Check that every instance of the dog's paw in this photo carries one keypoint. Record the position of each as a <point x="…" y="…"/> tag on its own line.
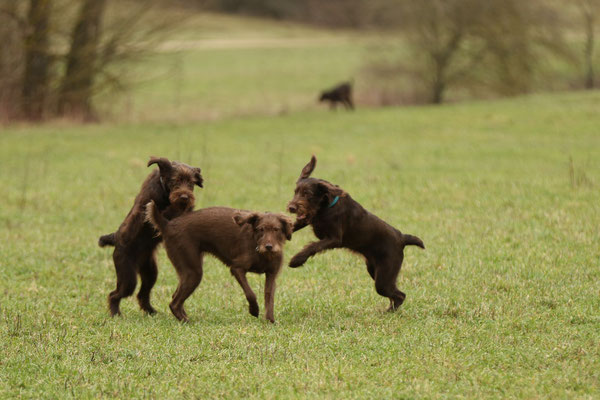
<point x="253" y="309"/>
<point x="150" y="311"/>
<point x="146" y="307"/>
<point x="297" y="261"/>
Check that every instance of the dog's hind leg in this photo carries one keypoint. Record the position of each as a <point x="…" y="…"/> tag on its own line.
<point x="187" y="285"/>
<point x="385" y="283"/>
<point x="371" y="271"/>
<point x="188" y="265"/>
<point x="148" y="274"/>
<point x="126" y="281"/>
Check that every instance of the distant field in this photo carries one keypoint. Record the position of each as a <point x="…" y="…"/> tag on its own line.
<point x="214" y="67"/>
<point x="238" y="80"/>
<point x="503" y="303"/>
<point x="209" y="67"/>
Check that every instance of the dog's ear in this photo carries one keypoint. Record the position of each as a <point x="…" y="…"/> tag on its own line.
<point x="245" y="218"/>
<point x="198" y="177"/>
<point x="287" y="226"/>
<point x="308" y="168"/>
<point x="329" y="191"/>
<point x="164" y="164"/>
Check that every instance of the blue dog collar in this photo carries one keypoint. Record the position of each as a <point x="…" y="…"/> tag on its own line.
<point x="334" y="201"/>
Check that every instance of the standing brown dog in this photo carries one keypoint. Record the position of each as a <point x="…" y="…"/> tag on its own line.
<point x="245" y="241"/>
<point x="171" y="187"/>
<point x="340" y="222"/>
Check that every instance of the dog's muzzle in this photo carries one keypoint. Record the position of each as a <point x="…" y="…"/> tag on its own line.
<point x="268" y="250"/>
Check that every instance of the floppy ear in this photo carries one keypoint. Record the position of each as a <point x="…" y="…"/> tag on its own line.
<point x="308" y="168"/>
<point x="198" y="177"/>
<point x="288" y="226"/>
<point x="246" y="218"/>
<point x="164" y="164"/>
<point x="330" y="191"/>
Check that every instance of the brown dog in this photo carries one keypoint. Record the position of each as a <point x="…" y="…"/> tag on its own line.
<point x="342" y="93"/>
<point x="340" y="222"/>
<point x="245" y="241"/>
<point x="171" y="187"/>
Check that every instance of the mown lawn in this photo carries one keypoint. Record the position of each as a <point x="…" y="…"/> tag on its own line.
<point x="505" y="301"/>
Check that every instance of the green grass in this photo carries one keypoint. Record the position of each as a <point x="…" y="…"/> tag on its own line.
<point x="503" y="303"/>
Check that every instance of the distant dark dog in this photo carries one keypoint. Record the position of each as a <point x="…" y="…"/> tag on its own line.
<point x="340" y="222"/>
<point x="171" y="187"/>
<point x="245" y="241"/>
<point x="339" y="94"/>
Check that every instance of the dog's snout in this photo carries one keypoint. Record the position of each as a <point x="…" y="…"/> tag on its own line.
<point x="292" y="208"/>
<point x="269" y="246"/>
<point x="184" y="197"/>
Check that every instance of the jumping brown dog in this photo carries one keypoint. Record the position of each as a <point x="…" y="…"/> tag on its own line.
<point x="171" y="187"/>
<point x="340" y="222"/>
<point x="245" y="241"/>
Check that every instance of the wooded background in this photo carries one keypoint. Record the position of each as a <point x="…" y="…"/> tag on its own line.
<point x="57" y="54"/>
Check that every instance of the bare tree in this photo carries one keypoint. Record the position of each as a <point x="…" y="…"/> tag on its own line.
<point x="496" y="46"/>
<point x="77" y="85"/>
<point x="39" y="78"/>
<point x="590" y="10"/>
<point x="441" y="35"/>
<point x="523" y="39"/>
<point x="12" y="29"/>
<point x="37" y="60"/>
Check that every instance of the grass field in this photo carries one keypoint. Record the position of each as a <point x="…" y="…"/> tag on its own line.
<point x="503" y="303"/>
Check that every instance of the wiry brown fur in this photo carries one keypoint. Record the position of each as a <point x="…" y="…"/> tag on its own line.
<point x="171" y="187"/>
<point x="343" y="223"/>
<point x="245" y="241"/>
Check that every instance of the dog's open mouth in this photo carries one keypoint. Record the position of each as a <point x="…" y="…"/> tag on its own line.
<point x="300" y="217"/>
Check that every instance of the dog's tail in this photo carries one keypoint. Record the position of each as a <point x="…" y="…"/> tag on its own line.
<point x="412" y="240"/>
<point x="155" y="218"/>
<point x="107" y="240"/>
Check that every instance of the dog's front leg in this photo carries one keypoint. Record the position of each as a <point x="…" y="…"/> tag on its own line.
<point x="270" y="295"/>
<point x="299" y="225"/>
<point x="240" y="276"/>
<point x="172" y="212"/>
<point x="314" y="248"/>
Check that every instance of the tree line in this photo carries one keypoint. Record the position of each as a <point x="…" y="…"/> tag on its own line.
<point x="501" y="47"/>
<point x="56" y="54"/>
<point x="30" y="81"/>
